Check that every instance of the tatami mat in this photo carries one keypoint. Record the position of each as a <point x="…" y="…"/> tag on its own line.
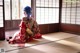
<point x="52" y="42"/>
<point x="47" y="48"/>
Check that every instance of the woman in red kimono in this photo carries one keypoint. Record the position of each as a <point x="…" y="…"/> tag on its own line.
<point x="29" y="29"/>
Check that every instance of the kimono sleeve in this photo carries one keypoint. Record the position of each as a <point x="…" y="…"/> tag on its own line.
<point x="22" y="24"/>
<point x="36" y="26"/>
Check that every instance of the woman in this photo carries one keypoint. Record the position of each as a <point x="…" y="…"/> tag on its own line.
<point x="28" y="29"/>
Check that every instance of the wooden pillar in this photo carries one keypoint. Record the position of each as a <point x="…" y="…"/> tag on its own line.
<point x="33" y="5"/>
<point x="60" y="13"/>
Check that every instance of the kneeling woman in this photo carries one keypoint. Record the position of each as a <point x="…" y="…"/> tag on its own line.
<point x="28" y="29"/>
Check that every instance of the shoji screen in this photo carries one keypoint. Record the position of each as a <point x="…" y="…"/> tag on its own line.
<point x="71" y="12"/>
<point x="1" y="13"/>
<point x="47" y="11"/>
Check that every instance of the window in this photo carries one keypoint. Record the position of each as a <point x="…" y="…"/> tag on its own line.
<point x="1" y="13"/>
<point x="22" y="5"/>
<point x="1" y="2"/>
<point x="78" y="16"/>
<point x="17" y="8"/>
<point x="47" y="11"/>
<point x="14" y="9"/>
<point x="71" y="12"/>
<point x="7" y="10"/>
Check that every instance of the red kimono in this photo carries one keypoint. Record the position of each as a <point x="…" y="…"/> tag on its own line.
<point x="22" y="36"/>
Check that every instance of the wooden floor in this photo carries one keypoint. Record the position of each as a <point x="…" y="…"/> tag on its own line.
<point x="50" y="43"/>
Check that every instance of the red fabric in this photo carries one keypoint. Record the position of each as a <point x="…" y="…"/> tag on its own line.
<point x="22" y="25"/>
<point x="37" y="36"/>
<point x="21" y="37"/>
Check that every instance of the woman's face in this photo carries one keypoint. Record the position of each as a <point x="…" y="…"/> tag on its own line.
<point x="25" y="14"/>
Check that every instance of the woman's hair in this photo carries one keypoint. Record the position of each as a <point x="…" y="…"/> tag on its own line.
<point x="28" y="10"/>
